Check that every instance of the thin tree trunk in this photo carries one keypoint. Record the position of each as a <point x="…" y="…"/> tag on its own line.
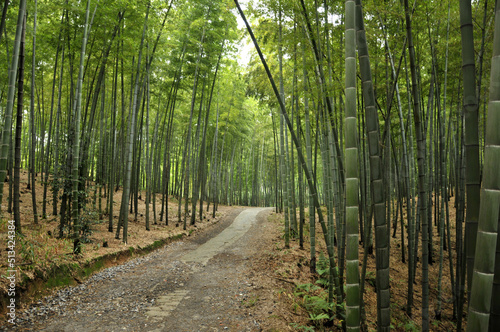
<point x="123" y="219"/>
<point x="312" y="221"/>
<point x="283" y="153"/>
<point x="18" y="133"/>
<point x="4" y="15"/>
<point x="187" y="147"/>
<point x="56" y="181"/>
<point x="76" y="142"/>
<point x="32" y="122"/>
<point x="148" y="157"/>
<point x="422" y="201"/>
<point x="12" y="78"/>
<point x="113" y="147"/>
<point x="47" y="162"/>
<point x="202" y="163"/>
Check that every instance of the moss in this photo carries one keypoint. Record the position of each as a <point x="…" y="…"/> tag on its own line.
<point x="155" y="245"/>
<point x="58" y="281"/>
<point x="178" y="236"/>
<point x="89" y="269"/>
<point x="59" y="276"/>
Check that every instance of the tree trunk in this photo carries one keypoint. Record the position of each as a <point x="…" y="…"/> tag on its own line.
<point x="19" y="128"/>
<point x="352" y="181"/>
<point x="32" y="122"/>
<point x="470" y="109"/>
<point x="123" y="219"/>
<point x="421" y="173"/>
<point x="7" y="127"/>
<point x="484" y="302"/>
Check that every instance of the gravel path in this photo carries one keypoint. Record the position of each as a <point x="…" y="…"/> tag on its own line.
<point x="199" y="284"/>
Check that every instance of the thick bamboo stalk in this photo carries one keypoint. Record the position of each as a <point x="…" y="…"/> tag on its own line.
<point x="376" y="174"/>
<point x="485" y="284"/>
<point x="352" y="181"/>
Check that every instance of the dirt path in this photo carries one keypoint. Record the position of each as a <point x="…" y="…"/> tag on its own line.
<point x="201" y="284"/>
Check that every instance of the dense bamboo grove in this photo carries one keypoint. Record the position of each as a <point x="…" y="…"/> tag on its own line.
<point x="364" y="119"/>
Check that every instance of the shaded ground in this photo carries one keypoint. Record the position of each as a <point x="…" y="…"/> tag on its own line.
<point x="288" y="268"/>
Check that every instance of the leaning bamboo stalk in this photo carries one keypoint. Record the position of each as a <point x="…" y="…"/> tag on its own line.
<point x="302" y="160"/>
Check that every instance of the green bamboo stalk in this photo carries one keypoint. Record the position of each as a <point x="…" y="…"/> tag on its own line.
<point x="76" y="142"/>
<point x="47" y="157"/>
<point x="328" y="193"/>
<point x="422" y="202"/>
<point x="56" y="181"/>
<point x="486" y="263"/>
<point x="12" y="77"/>
<point x="470" y="108"/>
<point x="18" y="133"/>
<point x="123" y="217"/>
<point x="32" y="121"/>
<point x="376" y="174"/>
<point x="283" y="142"/>
<point x="352" y="181"/>
<point x="443" y="186"/>
<point x="312" y="222"/>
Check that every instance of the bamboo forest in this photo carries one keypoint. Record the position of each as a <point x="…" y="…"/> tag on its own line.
<point x="354" y="145"/>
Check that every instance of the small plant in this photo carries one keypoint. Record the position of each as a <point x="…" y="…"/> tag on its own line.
<point x="3" y="225"/>
<point x="301" y="327"/>
<point x="27" y="249"/>
<point x="303" y="289"/>
<point x="317" y="306"/>
<point x="410" y="326"/>
<point x="322" y="268"/>
<point x="250" y="302"/>
<point x="318" y="317"/>
<point x="88" y="218"/>
<point x="314" y="299"/>
<point x="371" y="279"/>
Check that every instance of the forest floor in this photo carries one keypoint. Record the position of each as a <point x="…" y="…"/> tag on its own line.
<point x="40" y="250"/>
<point x="293" y="284"/>
<point x="265" y="287"/>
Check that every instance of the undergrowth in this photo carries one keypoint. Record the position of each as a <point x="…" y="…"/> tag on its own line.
<point x="313" y="297"/>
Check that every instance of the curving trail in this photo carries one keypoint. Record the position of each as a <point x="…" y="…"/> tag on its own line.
<point x="199" y="284"/>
